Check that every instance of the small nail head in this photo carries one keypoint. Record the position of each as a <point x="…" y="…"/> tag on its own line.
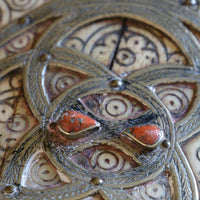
<point x="44" y="57"/>
<point x="189" y="2"/>
<point x="10" y="190"/>
<point x="198" y="154"/>
<point x="24" y="20"/>
<point x="166" y="143"/>
<point x="96" y="181"/>
<point x="52" y="125"/>
<point x="117" y="84"/>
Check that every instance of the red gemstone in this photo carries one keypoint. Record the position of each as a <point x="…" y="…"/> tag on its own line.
<point x="74" y="122"/>
<point x="148" y="135"/>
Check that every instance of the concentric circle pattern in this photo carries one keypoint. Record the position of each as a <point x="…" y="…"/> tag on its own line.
<point x="104" y="159"/>
<point x="40" y="173"/>
<point x="17" y="123"/>
<point x="116" y="107"/>
<point x="21" y="44"/>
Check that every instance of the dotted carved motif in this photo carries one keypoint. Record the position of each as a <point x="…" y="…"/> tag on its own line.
<point x="12" y="9"/>
<point x="16" y="118"/>
<point x="124" y="45"/>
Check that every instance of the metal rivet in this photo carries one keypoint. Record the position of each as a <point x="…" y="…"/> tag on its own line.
<point x="198" y="154"/>
<point x="189" y="2"/>
<point x="9" y="189"/>
<point x="117" y="84"/>
<point x="24" y="20"/>
<point x="52" y="125"/>
<point x="44" y="57"/>
<point x="166" y="143"/>
<point x="96" y="181"/>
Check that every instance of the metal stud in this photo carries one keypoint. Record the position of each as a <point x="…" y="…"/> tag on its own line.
<point x="166" y="143"/>
<point x="44" y="57"/>
<point x="10" y="190"/>
<point x="117" y="84"/>
<point x="52" y="125"/>
<point x="189" y="2"/>
<point x="24" y="20"/>
<point x="96" y="181"/>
